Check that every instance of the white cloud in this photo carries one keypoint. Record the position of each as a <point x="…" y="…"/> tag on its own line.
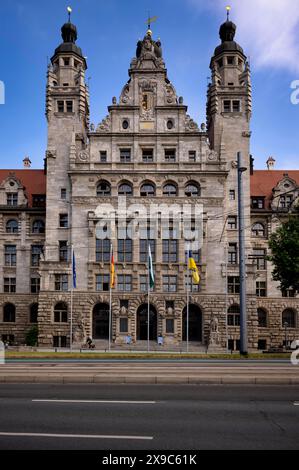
<point x="267" y="29"/>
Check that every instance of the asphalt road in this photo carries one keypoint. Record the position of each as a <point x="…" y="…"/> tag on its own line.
<point x="132" y="417"/>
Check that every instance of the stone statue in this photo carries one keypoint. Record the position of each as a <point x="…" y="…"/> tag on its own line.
<point x="123" y="310"/>
<point x="170" y="311"/>
<point x="214" y="331"/>
<point x="79" y="334"/>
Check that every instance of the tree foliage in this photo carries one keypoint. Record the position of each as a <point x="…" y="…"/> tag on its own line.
<point x="284" y="244"/>
<point x="32" y="336"/>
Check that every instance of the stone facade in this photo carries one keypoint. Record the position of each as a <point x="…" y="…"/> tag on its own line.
<point x="146" y="150"/>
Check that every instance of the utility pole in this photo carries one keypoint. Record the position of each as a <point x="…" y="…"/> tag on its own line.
<point x="242" y="261"/>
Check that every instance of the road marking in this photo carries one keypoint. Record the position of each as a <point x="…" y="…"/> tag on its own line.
<point x="296" y="403"/>
<point x="76" y="436"/>
<point x="123" y="402"/>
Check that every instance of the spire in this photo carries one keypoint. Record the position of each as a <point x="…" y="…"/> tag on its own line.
<point x="69" y="30"/>
<point x="228" y="9"/>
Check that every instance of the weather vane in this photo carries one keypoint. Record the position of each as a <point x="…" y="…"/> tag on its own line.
<point x="151" y="20"/>
<point x="228" y="9"/>
<point x="69" y="9"/>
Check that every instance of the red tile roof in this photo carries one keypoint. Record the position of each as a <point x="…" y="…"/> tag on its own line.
<point x="263" y="181"/>
<point x="34" y="181"/>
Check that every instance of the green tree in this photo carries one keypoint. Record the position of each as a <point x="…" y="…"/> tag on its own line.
<point x="32" y="336"/>
<point x="284" y="244"/>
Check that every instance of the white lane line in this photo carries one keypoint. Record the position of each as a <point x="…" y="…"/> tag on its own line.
<point x="98" y="401"/>
<point x="76" y="436"/>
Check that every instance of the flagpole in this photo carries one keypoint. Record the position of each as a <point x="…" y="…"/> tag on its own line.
<point x="110" y="301"/>
<point x="72" y="289"/>
<point x="188" y="285"/>
<point x="148" y="297"/>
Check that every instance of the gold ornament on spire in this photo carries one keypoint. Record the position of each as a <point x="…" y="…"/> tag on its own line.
<point x="69" y="10"/>
<point x="228" y="9"/>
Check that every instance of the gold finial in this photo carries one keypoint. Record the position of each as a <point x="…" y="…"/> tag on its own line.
<point x="69" y="10"/>
<point x="228" y="9"/>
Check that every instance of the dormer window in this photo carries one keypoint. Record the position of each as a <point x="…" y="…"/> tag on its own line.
<point x="285" y="201"/>
<point x="258" y="203"/>
<point x="12" y="199"/>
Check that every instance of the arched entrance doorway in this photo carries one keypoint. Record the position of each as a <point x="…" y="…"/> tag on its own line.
<point x="100" y="321"/>
<point x="195" y="324"/>
<point x="142" y="319"/>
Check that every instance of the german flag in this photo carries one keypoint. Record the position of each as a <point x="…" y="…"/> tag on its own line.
<point x="112" y="270"/>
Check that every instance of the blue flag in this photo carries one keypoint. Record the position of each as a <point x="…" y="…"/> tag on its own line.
<point x="74" y="272"/>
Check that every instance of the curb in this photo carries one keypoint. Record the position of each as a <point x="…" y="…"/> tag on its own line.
<point x="147" y="380"/>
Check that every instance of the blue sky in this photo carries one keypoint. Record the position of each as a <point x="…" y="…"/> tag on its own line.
<point x="108" y="32"/>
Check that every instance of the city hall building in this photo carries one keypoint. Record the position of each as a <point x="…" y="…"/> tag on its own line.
<point x="146" y="150"/>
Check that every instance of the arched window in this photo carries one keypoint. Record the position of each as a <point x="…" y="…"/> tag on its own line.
<point x="9" y="313"/>
<point x="12" y="226"/>
<point x="125" y="189"/>
<point x="233" y="315"/>
<point x="147" y="190"/>
<point x="38" y="226"/>
<point x="170" y="190"/>
<point x="289" y="318"/>
<point x="258" y="230"/>
<point x="262" y="318"/>
<point x="33" y="313"/>
<point x="103" y="189"/>
<point x="192" y="190"/>
<point x="60" y="313"/>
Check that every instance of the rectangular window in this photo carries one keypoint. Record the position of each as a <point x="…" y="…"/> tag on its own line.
<point x="63" y="251"/>
<point x="288" y="293"/>
<point x="259" y="258"/>
<point x="38" y="200"/>
<point x="103" y="156"/>
<point x="257" y="203"/>
<point x="233" y="285"/>
<point x="236" y="106"/>
<point x="232" y="195"/>
<point x="125" y="155"/>
<point x="35" y="285"/>
<point x="226" y="106"/>
<point x="285" y="202"/>
<point x="143" y="250"/>
<point x="123" y="325"/>
<point x="233" y="319"/>
<point x="63" y="194"/>
<point x="190" y="285"/>
<point x="170" y="251"/>
<point x="230" y="60"/>
<point x="124" y="282"/>
<point x="10" y="285"/>
<point x="169" y="325"/>
<point x="143" y="283"/>
<point x="125" y="250"/>
<point x="102" y="282"/>
<point x="61" y="282"/>
<point x="36" y="251"/>
<point x="103" y="248"/>
<point x="12" y="199"/>
<point x="63" y="220"/>
<point x="261" y="289"/>
<point x="69" y="106"/>
<point x="60" y="106"/>
<point x="10" y="255"/>
<point x="66" y="62"/>
<point x="59" y="342"/>
<point x="192" y="156"/>
<point x="169" y="283"/>
<point x="232" y="223"/>
<point x="147" y="155"/>
<point x="232" y="253"/>
<point x="170" y="155"/>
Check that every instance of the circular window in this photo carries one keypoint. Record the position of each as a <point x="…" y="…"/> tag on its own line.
<point x="125" y="124"/>
<point x="170" y="124"/>
<point x="11" y="184"/>
<point x="287" y="185"/>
